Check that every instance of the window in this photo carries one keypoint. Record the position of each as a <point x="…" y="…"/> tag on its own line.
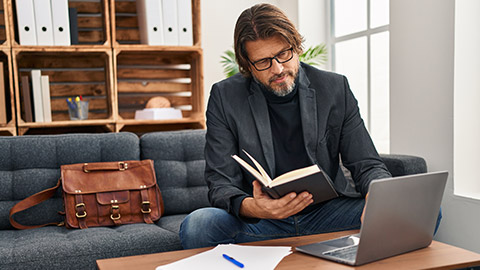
<point x="359" y="45"/>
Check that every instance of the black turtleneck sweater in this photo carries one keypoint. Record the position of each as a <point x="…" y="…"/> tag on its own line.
<point x="287" y="133"/>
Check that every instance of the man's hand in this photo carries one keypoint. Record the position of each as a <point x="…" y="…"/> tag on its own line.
<point x="262" y="206"/>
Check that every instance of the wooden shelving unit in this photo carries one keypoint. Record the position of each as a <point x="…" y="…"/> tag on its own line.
<point x="109" y="68"/>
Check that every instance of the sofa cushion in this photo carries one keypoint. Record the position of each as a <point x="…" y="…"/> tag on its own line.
<point x="171" y="222"/>
<point x="79" y="249"/>
<point x="179" y="166"/>
<point x="399" y="165"/>
<point x="29" y="164"/>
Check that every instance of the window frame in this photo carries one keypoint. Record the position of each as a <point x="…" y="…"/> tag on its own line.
<point x="332" y="40"/>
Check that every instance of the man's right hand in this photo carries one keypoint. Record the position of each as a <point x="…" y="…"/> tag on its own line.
<point x="264" y="207"/>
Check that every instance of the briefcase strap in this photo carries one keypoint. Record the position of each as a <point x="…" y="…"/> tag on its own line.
<point x="30" y="202"/>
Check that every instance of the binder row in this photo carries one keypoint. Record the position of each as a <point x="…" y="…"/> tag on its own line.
<point x="51" y="22"/>
<point x="43" y="22"/>
<point x="165" y="22"/>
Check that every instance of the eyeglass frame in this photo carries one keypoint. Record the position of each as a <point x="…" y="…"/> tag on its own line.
<point x="271" y="59"/>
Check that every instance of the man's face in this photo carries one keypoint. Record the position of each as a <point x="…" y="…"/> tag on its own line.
<point x="280" y="77"/>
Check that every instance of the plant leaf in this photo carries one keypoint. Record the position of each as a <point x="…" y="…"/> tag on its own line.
<point x="315" y="56"/>
<point x="229" y="63"/>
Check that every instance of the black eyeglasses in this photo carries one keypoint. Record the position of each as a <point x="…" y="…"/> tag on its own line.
<point x="266" y="63"/>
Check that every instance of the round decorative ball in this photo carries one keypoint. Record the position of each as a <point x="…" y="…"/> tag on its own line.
<point x="158" y="102"/>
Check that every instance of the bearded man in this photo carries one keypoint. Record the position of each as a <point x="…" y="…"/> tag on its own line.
<point x="287" y="115"/>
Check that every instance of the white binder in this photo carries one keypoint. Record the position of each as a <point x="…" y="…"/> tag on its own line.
<point x="60" y="22"/>
<point x="43" y="22"/>
<point x="185" y="33"/>
<point x="47" y="108"/>
<point x="170" y="22"/>
<point x="37" y="95"/>
<point x="150" y="21"/>
<point x="26" y="22"/>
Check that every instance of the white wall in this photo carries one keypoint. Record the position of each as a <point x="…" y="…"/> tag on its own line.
<point x="466" y="98"/>
<point x="312" y="21"/>
<point x="421" y="109"/>
<point x="218" y="22"/>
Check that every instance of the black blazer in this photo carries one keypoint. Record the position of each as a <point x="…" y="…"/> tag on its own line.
<point x="237" y="118"/>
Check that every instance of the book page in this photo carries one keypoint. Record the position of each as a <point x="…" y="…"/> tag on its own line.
<point x="252" y="257"/>
<point x="293" y="175"/>
<point x="259" y="167"/>
<point x="251" y="170"/>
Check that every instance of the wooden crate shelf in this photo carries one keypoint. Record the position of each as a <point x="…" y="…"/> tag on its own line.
<point x="174" y="74"/>
<point x="72" y="72"/>
<point x="93" y="22"/>
<point x="124" y="23"/>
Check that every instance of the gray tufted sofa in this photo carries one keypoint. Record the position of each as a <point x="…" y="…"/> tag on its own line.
<point x="29" y="164"/>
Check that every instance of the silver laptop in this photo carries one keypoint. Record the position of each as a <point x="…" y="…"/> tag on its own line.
<point x="400" y="216"/>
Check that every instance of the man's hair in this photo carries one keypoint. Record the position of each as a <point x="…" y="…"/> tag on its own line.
<point x="263" y="21"/>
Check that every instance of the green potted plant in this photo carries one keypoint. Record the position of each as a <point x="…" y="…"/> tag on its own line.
<point x="315" y="56"/>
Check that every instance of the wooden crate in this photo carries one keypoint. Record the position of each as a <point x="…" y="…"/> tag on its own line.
<point x="4" y="24"/>
<point x="141" y="75"/>
<point x="93" y="21"/>
<point x="71" y="73"/>
<point x="125" y="22"/>
<point x="8" y="128"/>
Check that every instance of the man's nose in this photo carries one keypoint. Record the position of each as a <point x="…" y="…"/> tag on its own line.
<point x="276" y="66"/>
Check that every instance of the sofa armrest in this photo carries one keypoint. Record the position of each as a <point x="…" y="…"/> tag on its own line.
<point x="399" y="165"/>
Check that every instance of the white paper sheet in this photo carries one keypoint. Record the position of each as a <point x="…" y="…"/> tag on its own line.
<point x="253" y="257"/>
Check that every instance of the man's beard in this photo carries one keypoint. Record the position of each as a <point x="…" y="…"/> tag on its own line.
<point x="283" y="89"/>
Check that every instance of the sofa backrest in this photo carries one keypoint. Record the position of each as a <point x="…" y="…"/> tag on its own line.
<point x="29" y="164"/>
<point x="179" y="166"/>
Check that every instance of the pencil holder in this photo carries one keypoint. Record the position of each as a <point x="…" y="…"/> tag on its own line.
<point x="78" y="110"/>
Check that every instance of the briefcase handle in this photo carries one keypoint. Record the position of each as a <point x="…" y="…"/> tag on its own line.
<point x="105" y="166"/>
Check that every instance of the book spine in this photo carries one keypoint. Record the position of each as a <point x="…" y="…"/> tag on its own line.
<point x="26" y="98"/>
<point x="271" y="192"/>
<point x="73" y="20"/>
<point x="3" y="99"/>
<point x="37" y="95"/>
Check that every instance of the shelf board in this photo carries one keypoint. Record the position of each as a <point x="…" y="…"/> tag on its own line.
<point x="133" y="122"/>
<point x="144" y="47"/>
<point x="77" y="123"/>
<point x="74" y="48"/>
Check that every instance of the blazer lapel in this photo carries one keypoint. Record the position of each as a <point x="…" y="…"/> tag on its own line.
<point x="308" y="114"/>
<point x="259" y="108"/>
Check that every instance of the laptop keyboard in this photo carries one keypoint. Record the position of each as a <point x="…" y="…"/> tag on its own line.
<point x="345" y="253"/>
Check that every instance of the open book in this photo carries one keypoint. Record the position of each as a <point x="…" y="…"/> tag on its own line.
<point x="310" y="179"/>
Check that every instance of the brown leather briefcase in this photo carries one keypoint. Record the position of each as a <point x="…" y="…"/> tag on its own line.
<point x="103" y="194"/>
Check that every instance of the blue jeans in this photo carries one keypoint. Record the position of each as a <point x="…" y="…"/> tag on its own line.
<point x="212" y="226"/>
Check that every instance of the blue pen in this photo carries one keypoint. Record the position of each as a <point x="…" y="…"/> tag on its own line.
<point x="69" y="103"/>
<point x="232" y="260"/>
